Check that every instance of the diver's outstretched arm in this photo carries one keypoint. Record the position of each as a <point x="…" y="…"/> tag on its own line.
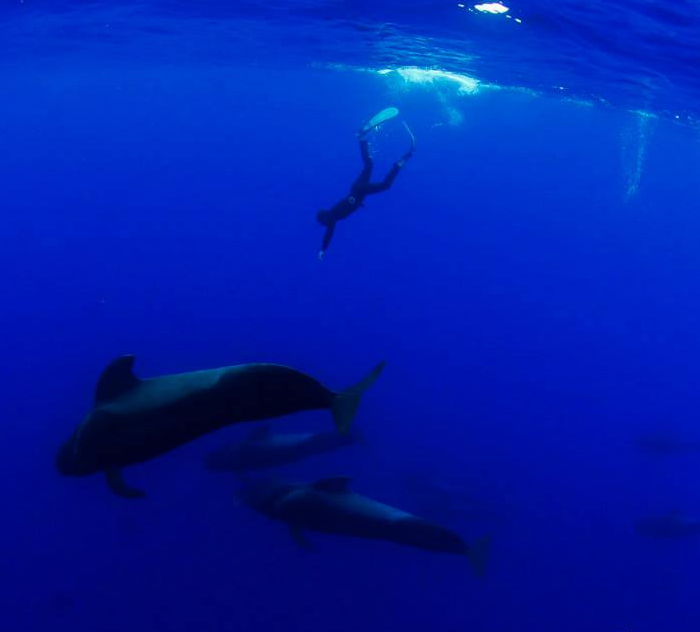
<point x="327" y="236"/>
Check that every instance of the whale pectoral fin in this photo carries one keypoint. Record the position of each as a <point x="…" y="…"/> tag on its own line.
<point x="298" y="536"/>
<point x="116" y="484"/>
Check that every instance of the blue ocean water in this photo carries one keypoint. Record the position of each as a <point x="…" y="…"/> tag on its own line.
<point x="531" y="279"/>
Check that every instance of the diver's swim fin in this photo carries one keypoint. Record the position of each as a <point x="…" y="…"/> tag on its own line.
<point x="116" y="484"/>
<point x="412" y="137"/>
<point x="345" y="404"/>
<point x="380" y="117"/>
<point x="402" y="161"/>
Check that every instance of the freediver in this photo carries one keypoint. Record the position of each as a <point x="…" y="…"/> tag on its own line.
<point x="362" y="187"/>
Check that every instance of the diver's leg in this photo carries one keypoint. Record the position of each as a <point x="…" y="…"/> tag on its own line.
<point x="364" y="177"/>
<point x="378" y="187"/>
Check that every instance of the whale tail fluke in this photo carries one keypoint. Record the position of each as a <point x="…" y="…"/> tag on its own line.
<point x="478" y="555"/>
<point x="345" y="404"/>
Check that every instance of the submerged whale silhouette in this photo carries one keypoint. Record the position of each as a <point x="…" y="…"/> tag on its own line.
<point x="329" y="506"/>
<point x="261" y="449"/>
<point x="135" y="420"/>
<point x="674" y="524"/>
<point x="665" y="444"/>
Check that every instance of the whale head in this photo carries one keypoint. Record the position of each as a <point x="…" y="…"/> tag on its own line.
<point x="67" y="461"/>
<point x="72" y="459"/>
<point x="262" y="494"/>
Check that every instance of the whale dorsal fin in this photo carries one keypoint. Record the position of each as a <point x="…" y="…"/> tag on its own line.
<point x="259" y="433"/>
<point x="116" y="379"/>
<point x="335" y="484"/>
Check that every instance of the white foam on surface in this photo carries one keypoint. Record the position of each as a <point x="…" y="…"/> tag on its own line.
<point x="491" y="7"/>
<point x="412" y="74"/>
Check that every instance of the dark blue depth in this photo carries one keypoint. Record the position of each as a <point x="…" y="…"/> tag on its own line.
<point x="531" y="278"/>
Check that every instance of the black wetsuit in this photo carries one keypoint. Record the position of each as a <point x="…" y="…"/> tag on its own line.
<point x="360" y="189"/>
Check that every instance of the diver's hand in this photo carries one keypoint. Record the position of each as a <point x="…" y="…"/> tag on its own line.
<point x="320" y="255"/>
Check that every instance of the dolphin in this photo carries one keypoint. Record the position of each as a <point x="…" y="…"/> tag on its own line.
<point x="135" y="419"/>
<point x="261" y="449"/>
<point x="674" y="524"/>
<point x="663" y="444"/>
<point x="330" y="507"/>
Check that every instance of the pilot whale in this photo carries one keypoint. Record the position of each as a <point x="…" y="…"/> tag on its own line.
<point x="134" y="420"/>
<point x="262" y="449"/>
<point x="674" y="524"/>
<point x="329" y="506"/>
<point x="665" y="444"/>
